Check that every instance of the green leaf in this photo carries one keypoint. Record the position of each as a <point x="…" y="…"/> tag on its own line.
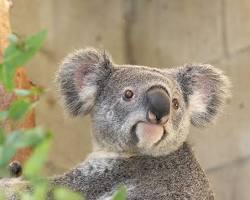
<point x="3" y="171"/>
<point x="2" y="136"/>
<point x="18" y="109"/>
<point x="40" y="191"/>
<point x="120" y="194"/>
<point x="6" y="154"/>
<point x="3" y="115"/>
<point x="22" y="92"/>
<point x="2" y="197"/>
<point x="26" y="196"/>
<point x="1" y="73"/>
<point x="18" y="53"/>
<point x="7" y="77"/>
<point x="37" y="90"/>
<point x="34" y="136"/>
<point x="29" y="138"/>
<point x="9" y="147"/>
<point x="66" y="194"/>
<point x="34" y="164"/>
<point x="12" y="38"/>
<point x="20" y="139"/>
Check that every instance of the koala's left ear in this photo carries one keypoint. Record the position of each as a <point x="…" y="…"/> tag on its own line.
<point x="80" y="79"/>
<point x="205" y="89"/>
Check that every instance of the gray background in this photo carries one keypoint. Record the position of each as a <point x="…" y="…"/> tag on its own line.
<point x="156" y="33"/>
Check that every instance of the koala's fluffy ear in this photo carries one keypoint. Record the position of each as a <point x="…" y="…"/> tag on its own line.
<point x="80" y="79"/>
<point x="204" y="89"/>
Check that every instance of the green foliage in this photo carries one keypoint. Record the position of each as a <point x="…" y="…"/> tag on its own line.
<point x="20" y="139"/>
<point x="22" y="92"/>
<point x="120" y="194"/>
<point x="34" y="165"/>
<point x="1" y="195"/>
<point x="2" y="136"/>
<point x="3" y="115"/>
<point x="16" y="54"/>
<point x="18" y="109"/>
<point x="65" y="194"/>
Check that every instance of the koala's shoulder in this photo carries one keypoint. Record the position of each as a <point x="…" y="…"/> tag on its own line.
<point x="174" y="175"/>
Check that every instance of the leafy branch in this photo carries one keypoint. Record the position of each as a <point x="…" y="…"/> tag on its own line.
<point x="18" y="52"/>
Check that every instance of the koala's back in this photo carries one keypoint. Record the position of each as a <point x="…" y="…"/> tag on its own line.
<point x="175" y="176"/>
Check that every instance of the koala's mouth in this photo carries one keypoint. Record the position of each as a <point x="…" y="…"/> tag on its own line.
<point x="149" y="134"/>
<point x="162" y="137"/>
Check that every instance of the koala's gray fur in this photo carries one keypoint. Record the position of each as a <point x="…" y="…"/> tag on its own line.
<point x="151" y="159"/>
<point x="174" y="176"/>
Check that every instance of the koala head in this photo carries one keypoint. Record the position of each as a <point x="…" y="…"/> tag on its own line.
<point x="138" y="109"/>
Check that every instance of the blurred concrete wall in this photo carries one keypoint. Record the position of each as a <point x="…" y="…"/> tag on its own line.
<point x="156" y="33"/>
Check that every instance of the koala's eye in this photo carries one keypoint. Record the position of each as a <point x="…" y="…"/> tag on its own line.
<point x="175" y="103"/>
<point x="128" y="94"/>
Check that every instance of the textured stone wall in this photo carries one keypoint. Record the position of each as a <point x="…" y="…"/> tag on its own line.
<point x="156" y="33"/>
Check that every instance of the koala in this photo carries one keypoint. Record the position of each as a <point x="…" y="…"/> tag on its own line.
<point x="140" y="122"/>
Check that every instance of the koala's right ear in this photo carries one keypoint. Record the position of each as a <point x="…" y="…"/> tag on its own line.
<point x="80" y="79"/>
<point x="205" y="90"/>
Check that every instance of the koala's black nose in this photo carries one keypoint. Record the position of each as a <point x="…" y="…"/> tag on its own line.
<point x="158" y="105"/>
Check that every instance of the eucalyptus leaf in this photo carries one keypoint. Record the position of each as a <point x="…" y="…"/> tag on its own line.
<point x="9" y="148"/>
<point x="14" y="138"/>
<point x="34" y="164"/>
<point x="22" y="92"/>
<point x="12" y="38"/>
<point x="7" y="77"/>
<point x="17" y="54"/>
<point x="2" y="197"/>
<point x="39" y="134"/>
<point x="40" y="191"/>
<point x="18" y="109"/>
<point x="20" y="139"/>
<point x="1" y="72"/>
<point x="37" y="90"/>
<point x="26" y="196"/>
<point x="2" y="136"/>
<point x="3" y="115"/>
<point x="7" y="152"/>
<point x="66" y="194"/>
<point x="28" y="138"/>
<point x="120" y="194"/>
